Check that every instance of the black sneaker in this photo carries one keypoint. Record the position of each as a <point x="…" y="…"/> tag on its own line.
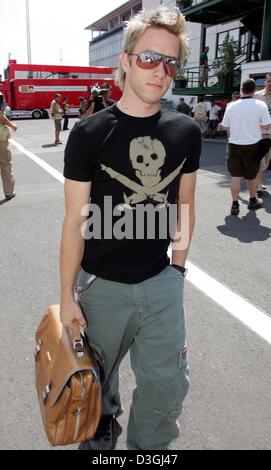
<point x="106" y="435"/>
<point x="255" y="203"/>
<point x="235" y="208"/>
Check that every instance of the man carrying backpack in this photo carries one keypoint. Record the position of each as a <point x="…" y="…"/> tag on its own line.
<point x="200" y="116"/>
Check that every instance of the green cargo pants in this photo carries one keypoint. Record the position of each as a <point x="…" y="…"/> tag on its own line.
<point x="146" y="318"/>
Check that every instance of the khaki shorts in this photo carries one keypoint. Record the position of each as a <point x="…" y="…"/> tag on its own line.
<point x="58" y="125"/>
<point x="241" y="161"/>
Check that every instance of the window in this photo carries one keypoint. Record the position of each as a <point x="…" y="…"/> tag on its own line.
<point x="126" y="16"/>
<point x="137" y="8"/>
<point x="114" y="22"/>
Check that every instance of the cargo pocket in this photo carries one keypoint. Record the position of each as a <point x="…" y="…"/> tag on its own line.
<point x="184" y="371"/>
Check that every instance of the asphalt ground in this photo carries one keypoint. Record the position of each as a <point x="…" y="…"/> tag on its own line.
<point x="228" y="406"/>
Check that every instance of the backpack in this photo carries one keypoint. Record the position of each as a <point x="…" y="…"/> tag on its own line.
<point x="200" y="113"/>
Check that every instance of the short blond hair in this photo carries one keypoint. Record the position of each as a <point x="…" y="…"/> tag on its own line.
<point x="171" y="20"/>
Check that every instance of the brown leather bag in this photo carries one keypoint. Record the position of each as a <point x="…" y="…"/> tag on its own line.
<point x="67" y="381"/>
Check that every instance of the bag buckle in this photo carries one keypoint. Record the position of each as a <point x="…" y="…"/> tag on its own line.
<point x="78" y="346"/>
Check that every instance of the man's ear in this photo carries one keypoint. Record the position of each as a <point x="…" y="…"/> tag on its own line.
<point x="124" y="60"/>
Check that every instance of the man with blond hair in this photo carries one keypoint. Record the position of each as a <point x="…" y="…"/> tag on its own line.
<point x="130" y="158"/>
<point x="265" y="96"/>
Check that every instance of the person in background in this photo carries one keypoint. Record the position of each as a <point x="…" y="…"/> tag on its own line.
<point x="56" y="113"/>
<point x="107" y="94"/>
<point x="236" y="95"/>
<point x="213" y="119"/>
<point x="6" y="168"/>
<point x="4" y="106"/>
<point x="103" y="94"/>
<point x="265" y="96"/>
<point x="95" y="103"/>
<point x="256" y="49"/>
<point x="182" y="107"/>
<point x="82" y="106"/>
<point x="244" y="119"/>
<point x="7" y="112"/>
<point x="200" y="116"/>
<point x="98" y="100"/>
<point x="65" y="109"/>
<point x="203" y="68"/>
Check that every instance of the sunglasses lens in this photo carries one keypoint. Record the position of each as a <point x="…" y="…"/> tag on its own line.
<point x="147" y="61"/>
<point x="150" y="60"/>
<point x="172" y="69"/>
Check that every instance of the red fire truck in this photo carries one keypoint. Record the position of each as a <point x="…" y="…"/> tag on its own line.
<point x="29" y="89"/>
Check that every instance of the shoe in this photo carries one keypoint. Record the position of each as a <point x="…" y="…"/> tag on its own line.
<point x="235" y="209"/>
<point x="106" y="435"/>
<point x="10" y="197"/>
<point x="57" y="142"/>
<point x="255" y="203"/>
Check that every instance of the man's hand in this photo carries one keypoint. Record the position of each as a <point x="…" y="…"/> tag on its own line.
<point x="14" y="127"/>
<point x="70" y="312"/>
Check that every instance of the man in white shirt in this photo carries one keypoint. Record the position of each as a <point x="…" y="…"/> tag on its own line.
<point x="265" y="96"/>
<point x="244" y="119"/>
<point x="213" y="119"/>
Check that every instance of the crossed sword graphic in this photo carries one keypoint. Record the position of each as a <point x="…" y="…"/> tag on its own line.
<point x="142" y="192"/>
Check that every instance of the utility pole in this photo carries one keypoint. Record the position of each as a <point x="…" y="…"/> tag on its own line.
<point x="28" y="32"/>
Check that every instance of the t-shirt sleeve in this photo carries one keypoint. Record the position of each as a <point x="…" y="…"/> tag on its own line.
<point x="192" y="161"/>
<point x="78" y="162"/>
<point x="226" y="119"/>
<point x="265" y="117"/>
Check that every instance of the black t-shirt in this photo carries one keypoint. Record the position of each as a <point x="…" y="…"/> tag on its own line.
<point x="133" y="163"/>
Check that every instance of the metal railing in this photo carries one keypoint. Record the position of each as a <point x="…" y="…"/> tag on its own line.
<point x="193" y="74"/>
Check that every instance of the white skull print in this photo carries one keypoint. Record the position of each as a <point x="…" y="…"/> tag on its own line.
<point x="147" y="157"/>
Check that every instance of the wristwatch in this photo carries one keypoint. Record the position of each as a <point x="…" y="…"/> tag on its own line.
<point x="182" y="270"/>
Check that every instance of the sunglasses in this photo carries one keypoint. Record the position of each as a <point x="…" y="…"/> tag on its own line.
<point x="148" y="60"/>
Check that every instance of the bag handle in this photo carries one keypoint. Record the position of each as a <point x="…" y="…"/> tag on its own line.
<point x="78" y="344"/>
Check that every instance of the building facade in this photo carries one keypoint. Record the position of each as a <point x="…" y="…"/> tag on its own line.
<point x="107" y="34"/>
<point x="107" y="38"/>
